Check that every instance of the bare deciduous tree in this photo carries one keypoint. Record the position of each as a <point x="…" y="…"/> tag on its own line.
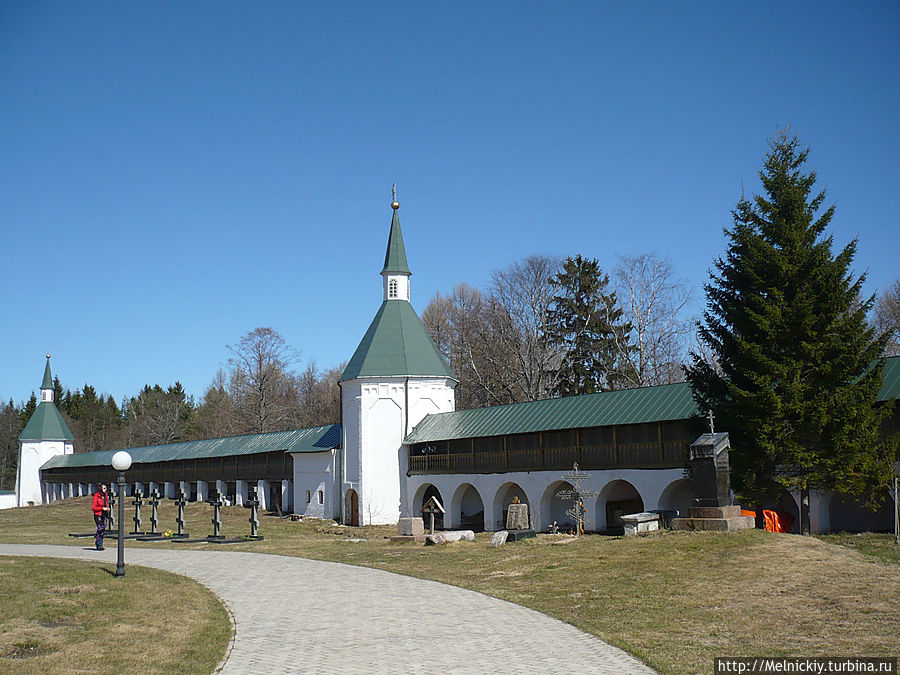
<point x="654" y="301"/>
<point x="887" y="317"/>
<point x="261" y="383"/>
<point x="522" y="293"/>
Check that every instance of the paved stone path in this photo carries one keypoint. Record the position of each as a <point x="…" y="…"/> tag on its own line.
<point x="294" y="615"/>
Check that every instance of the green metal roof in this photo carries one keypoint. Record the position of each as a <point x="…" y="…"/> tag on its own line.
<point x="395" y="256"/>
<point x="47" y="382"/>
<point x="628" y="406"/>
<point x="315" y="439"/>
<point x="46" y="424"/>
<point x="396" y="344"/>
<point x="890" y="387"/>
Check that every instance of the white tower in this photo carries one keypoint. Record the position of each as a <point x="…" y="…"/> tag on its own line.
<point x="46" y="435"/>
<point x="395" y="377"/>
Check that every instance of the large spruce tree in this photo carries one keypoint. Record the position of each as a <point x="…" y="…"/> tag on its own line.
<point x="585" y="324"/>
<point x="796" y="372"/>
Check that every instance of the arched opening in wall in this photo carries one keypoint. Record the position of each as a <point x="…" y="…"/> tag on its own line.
<point x="275" y="494"/>
<point x="678" y="496"/>
<point x="467" y="508"/>
<point x="848" y="515"/>
<point x="617" y="498"/>
<point x="505" y="496"/>
<point x="423" y="494"/>
<point x="351" y="508"/>
<point x="554" y="508"/>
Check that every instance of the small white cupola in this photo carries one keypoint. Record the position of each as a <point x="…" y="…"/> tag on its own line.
<point x="395" y="273"/>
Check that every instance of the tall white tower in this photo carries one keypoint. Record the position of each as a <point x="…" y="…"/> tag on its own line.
<point x="46" y="435"/>
<point x="395" y="377"/>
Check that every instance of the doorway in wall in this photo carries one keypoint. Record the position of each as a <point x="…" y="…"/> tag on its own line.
<point x="351" y="508"/>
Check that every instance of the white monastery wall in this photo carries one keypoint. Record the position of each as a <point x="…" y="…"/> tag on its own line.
<point x="314" y="484"/>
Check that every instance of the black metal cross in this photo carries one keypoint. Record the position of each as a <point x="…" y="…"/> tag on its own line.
<point x="215" y="499"/>
<point x="179" y="519"/>
<point x="252" y="503"/>
<point x="110" y="518"/>
<point x="154" y="510"/>
<point x="138" y="502"/>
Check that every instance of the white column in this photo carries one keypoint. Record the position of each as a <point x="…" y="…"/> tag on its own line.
<point x="241" y="490"/>
<point x="169" y="490"/>
<point x="222" y="487"/>
<point x="262" y="491"/>
<point x="202" y="491"/>
<point x="186" y="486"/>
<point x="287" y="494"/>
<point x="820" y="511"/>
<point x="138" y="485"/>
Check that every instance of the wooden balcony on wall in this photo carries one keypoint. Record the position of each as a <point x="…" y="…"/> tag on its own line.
<point x="657" y="455"/>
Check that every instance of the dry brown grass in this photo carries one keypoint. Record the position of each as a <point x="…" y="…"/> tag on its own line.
<point x="75" y="617"/>
<point x="675" y="600"/>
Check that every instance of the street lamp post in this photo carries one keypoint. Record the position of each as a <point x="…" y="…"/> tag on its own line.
<point x="121" y="462"/>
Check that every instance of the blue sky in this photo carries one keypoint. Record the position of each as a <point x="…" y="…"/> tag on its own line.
<point x="173" y="175"/>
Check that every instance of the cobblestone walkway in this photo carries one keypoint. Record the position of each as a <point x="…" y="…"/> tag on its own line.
<point x="294" y="615"/>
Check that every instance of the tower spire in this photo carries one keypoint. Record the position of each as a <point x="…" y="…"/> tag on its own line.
<point x="47" y="383"/>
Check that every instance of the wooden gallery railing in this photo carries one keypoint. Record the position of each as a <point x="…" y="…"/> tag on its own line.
<point x="664" y="455"/>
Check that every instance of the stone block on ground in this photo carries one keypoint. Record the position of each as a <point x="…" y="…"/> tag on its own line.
<point x="518" y="535"/>
<point x="450" y="537"/>
<point x="411" y="527"/>
<point x="636" y="523"/>
<point x="499" y="538"/>
<point x="517" y="517"/>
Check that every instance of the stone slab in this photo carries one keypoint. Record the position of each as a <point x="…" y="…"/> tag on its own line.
<point x="411" y="527"/>
<point x="714" y="524"/>
<point x="632" y="529"/>
<point x="499" y="538"/>
<point x="450" y="537"/>
<point x="517" y="517"/>
<point x="644" y="517"/>
<point x="713" y="511"/>
<point x="518" y="535"/>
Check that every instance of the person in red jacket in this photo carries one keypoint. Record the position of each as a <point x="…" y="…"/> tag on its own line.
<point x="100" y="507"/>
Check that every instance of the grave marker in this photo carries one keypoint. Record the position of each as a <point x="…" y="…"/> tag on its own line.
<point x="154" y="511"/>
<point x="432" y="507"/>
<point x="577" y="496"/>
<point x="138" y="502"/>
<point x="215" y="499"/>
<point x="252" y="503"/>
<point x="179" y="518"/>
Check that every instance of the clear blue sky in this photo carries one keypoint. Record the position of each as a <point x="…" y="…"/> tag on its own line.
<point x="175" y="174"/>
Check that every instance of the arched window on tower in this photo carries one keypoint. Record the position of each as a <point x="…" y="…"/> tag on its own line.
<point x="392" y="288"/>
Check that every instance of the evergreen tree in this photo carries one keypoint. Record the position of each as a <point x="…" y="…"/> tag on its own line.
<point x="28" y="409"/>
<point x="787" y="326"/>
<point x="584" y="322"/>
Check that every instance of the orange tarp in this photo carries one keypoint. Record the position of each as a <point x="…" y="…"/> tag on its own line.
<point x="778" y="521"/>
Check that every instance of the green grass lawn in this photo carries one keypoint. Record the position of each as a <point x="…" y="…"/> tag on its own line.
<point x="674" y="600"/>
<point x="69" y="616"/>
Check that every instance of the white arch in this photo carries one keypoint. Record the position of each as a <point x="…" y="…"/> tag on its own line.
<point x="617" y="494"/>
<point x="463" y="503"/>
<point x="677" y="495"/>
<point x="503" y="497"/>
<point x="553" y="508"/>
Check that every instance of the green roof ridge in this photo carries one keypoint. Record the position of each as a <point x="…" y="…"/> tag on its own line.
<point x="46" y="424"/>
<point x="47" y="382"/>
<point x="395" y="256"/>
<point x="396" y="344"/>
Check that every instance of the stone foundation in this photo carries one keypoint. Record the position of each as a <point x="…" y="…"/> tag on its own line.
<point x="714" y="519"/>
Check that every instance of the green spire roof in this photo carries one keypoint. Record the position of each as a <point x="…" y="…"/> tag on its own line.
<point x="47" y="383"/>
<point x="396" y="344"/>
<point x="46" y="424"/>
<point x="395" y="256"/>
